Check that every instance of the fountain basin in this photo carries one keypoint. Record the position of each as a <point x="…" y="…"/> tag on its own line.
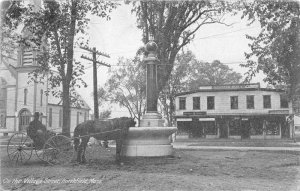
<point x="148" y="142"/>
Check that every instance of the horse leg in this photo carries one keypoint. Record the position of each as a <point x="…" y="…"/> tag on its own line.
<point x="79" y="149"/>
<point x="84" y="144"/>
<point x="119" y="144"/>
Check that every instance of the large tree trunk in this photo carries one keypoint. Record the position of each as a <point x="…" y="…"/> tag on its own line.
<point x="69" y="73"/>
<point x="66" y="110"/>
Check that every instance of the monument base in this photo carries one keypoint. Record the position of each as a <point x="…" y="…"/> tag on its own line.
<point x="149" y="140"/>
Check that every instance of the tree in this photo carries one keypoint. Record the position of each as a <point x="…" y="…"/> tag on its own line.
<point x="55" y="30"/>
<point x="127" y="87"/>
<point x="173" y="25"/>
<point x="105" y="114"/>
<point x="178" y="82"/>
<point x="188" y="75"/>
<point x="277" y="47"/>
<point x="8" y="39"/>
<point x="214" y="73"/>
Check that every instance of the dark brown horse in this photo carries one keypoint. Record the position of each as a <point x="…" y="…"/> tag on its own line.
<point x="112" y="129"/>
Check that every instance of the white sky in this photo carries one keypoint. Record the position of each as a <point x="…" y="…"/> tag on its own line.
<point x="120" y="37"/>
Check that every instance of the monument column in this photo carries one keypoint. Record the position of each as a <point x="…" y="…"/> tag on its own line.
<point x="152" y="137"/>
<point x="151" y="75"/>
<point x="152" y="117"/>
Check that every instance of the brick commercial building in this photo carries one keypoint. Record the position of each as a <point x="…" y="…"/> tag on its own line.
<point x="237" y="111"/>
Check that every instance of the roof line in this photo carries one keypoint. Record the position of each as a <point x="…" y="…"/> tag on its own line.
<point x="221" y="90"/>
<point x="10" y="68"/>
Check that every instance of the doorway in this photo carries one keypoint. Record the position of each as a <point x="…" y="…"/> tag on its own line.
<point x="245" y="128"/>
<point x="24" y="119"/>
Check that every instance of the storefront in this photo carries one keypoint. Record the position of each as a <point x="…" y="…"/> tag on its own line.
<point x="234" y="127"/>
<point x="235" y="111"/>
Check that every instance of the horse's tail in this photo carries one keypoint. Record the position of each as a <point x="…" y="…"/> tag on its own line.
<point x="76" y="138"/>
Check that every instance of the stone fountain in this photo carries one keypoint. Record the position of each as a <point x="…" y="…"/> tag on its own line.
<point x="151" y="139"/>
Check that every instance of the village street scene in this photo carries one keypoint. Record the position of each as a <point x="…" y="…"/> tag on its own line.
<point x="150" y="95"/>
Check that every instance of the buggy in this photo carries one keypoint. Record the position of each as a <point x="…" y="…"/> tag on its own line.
<point x="56" y="149"/>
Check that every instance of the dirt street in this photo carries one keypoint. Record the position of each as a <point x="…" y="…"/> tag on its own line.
<point x="188" y="170"/>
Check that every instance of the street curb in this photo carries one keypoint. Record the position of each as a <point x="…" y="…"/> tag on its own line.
<point x="293" y="149"/>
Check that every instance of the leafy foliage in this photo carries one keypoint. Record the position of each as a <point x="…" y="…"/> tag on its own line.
<point x="105" y="114"/>
<point x="173" y="25"/>
<point x="277" y="47"/>
<point x="54" y="30"/>
<point x="214" y="73"/>
<point x="127" y="87"/>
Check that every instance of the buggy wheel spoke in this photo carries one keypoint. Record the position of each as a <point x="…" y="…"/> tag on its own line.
<point x="54" y="144"/>
<point x="14" y="156"/>
<point x="20" y="143"/>
<point x="17" y="149"/>
<point x="58" y="149"/>
<point x="26" y="153"/>
<point x="21" y="158"/>
<point x="17" y="157"/>
<point x="13" y="152"/>
<point x="25" y="140"/>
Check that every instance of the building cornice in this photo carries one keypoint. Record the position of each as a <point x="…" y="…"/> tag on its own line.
<point x="227" y="90"/>
<point x="26" y="68"/>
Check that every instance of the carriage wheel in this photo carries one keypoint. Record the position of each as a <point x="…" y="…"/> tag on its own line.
<point x="58" y="150"/>
<point x="40" y="154"/>
<point x="19" y="148"/>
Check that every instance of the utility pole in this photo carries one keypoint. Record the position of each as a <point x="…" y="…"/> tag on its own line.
<point x="95" y="62"/>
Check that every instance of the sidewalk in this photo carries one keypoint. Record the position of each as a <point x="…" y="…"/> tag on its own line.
<point x="195" y="146"/>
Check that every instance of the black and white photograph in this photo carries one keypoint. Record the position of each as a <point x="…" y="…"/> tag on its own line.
<point x="150" y="95"/>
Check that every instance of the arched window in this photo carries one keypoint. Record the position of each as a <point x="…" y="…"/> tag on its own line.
<point x="24" y="119"/>
<point x="25" y="96"/>
<point x="41" y="101"/>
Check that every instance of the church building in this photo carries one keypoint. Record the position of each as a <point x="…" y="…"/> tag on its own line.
<point x="20" y="98"/>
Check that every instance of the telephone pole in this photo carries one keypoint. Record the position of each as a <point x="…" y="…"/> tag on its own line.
<point x="95" y="62"/>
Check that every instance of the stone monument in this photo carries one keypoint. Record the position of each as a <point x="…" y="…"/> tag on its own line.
<point x="151" y="139"/>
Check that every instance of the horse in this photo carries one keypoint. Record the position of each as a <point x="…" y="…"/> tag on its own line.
<point x="112" y="129"/>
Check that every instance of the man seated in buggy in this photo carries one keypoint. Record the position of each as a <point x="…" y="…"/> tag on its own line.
<point x="38" y="132"/>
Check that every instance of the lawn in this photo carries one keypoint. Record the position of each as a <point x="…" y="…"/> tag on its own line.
<point x="187" y="170"/>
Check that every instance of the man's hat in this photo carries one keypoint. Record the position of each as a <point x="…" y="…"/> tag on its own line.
<point x="36" y="114"/>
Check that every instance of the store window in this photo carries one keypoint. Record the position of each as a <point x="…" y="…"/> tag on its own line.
<point x="267" y="101"/>
<point x="284" y="101"/>
<point x="234" y="102"/>
<point x="272" y="128"/>
<point x="256" y="126"/>
<point x="196" y="103"/>
<point x="209" y="127"/>
<point x="250" y="101"/>
<point x="210" y="102"/>
<point x="182" y="103"/>
<point x="234" y="127"/>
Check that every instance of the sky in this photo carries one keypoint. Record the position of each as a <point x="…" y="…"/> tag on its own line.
<point x="119" y="37"/>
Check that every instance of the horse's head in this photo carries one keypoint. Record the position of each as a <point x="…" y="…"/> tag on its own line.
<point x="130" y="122"/>
<point x="126" y="122"/>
